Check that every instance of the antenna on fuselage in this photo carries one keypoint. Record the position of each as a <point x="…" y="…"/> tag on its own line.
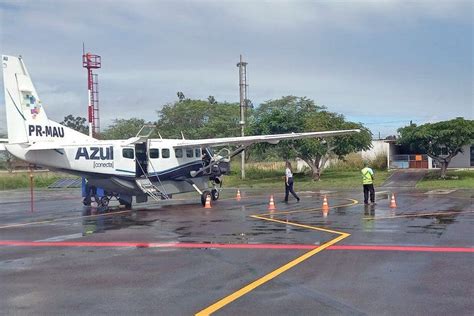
<point x="182" y="135"/>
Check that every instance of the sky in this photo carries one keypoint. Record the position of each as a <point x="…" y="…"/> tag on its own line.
<point x="383" y="63"/>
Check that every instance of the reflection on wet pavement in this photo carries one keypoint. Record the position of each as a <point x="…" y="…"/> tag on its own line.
<point x="100" y="219"/>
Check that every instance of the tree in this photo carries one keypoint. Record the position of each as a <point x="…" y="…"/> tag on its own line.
<point x="198" y="119"/>
<point x="181" y="96"/>
<point x="295" y="114"/>
<point x="123" y="128"/>
<point x="211" y="99"/>
<point x="76" y="123"/>
<point x="441" y="141"/>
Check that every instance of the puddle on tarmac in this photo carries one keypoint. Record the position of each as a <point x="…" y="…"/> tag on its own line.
<point x="93" y="222"/>
<point x="437" y="225"/>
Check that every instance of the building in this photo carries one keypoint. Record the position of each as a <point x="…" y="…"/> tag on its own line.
<point x="401" y="157"/>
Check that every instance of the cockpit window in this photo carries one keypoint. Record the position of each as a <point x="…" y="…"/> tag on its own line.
<point x="189" y="152"/>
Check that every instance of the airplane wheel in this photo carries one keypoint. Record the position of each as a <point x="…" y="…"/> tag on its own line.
<point x="214" y="194"/>
<point x="104" y="201"/>
<point x="87" y="201"/>
<point x="204" y="197"/>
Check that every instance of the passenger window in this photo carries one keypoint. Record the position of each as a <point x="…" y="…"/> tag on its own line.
<point x="189" y="152"/>
<point x="165" y="153"/>
<point x="197" y="152"/>
<point x="127" y="153"/>
<point x="154" y="153"/>
<point x="178" y="152"/>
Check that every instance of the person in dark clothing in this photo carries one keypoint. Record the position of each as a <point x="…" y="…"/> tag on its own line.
<point x="289" y="182"/>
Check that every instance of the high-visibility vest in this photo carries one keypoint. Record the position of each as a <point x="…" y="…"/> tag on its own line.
<point x="367" y="176"/>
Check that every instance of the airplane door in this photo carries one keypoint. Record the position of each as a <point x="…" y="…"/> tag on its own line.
<point x="141" y="159"/>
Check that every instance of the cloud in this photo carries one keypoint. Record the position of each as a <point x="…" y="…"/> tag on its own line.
<point x="407" y="59"/>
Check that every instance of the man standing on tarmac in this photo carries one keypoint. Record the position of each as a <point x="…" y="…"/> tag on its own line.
<point x="368" y="183"/>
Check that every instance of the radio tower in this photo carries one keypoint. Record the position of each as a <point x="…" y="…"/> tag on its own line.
<point x="90" y="62"/>
<point x="243" y="104"/>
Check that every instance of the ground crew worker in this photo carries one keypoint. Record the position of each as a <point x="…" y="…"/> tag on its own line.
<point x="289" y="182"/>
<point x="368" y="183"/>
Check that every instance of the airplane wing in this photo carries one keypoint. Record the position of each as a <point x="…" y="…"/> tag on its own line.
<point x="249" y="140"/>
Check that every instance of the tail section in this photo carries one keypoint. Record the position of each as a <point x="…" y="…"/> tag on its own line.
<point x="27" y="121"/>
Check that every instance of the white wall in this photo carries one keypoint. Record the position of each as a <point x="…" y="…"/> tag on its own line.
<point x="379" y="147"/>
<point x="462" y="160"/>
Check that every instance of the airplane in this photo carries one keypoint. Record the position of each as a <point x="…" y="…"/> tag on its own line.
<point x="137" y="167"/>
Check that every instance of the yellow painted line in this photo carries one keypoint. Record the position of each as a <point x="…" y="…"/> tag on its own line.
<point x="26" y="224"/>
<point x="353" y="202"/>
<point x="252" y="286"/>
<point x="298" y="225"/>
<point x="416" y="215"/>
<point x="228" y="299"/>
<point x="61" y="219"/>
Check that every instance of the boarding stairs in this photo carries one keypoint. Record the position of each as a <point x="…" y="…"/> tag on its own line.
<point x="143" y="182"/>
<point x="150" y="189"/>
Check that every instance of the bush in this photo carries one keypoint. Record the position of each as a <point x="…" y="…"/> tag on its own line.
<point x="379" y="162"/>
<point x="354" y="161"/>
<point x="260" y="170"/>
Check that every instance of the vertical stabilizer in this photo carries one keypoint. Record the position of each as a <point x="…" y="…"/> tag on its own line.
<point x="21" y="100"/>
<point x="27" y="121"/>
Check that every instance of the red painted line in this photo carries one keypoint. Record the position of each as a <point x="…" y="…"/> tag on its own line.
<point x="402" y="248"/>
<point x="149" y="245"/>
<point x="234" y="246"/>
<point x="230" y="246"/>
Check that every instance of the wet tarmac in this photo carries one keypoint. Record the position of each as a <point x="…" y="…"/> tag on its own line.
<point x="405" y="178"/>
<point x="239" y="257"/>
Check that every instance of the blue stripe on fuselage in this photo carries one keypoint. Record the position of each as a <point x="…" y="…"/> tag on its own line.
<point x="177" y="172"/>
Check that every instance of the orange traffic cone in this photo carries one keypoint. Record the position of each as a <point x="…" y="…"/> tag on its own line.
<point x="271" y="204"/>
<point x="208" y="201"/>
<point x="393" y="204"/>
<point x="325" y="213"/>
<point x="238" y="195"/>
<point x="325" y="204"/>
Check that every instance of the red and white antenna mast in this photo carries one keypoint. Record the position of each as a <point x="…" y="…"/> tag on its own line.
<point x="90" y="62"/>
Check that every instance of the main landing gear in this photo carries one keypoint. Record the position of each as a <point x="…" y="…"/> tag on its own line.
<point x="102" y="199"/>
<point x="214" y="194"/>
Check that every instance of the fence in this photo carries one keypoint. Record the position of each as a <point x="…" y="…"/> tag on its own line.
<point x="409" y="161"/>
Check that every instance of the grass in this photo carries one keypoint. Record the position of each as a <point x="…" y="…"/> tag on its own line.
<point x="16" y="180"/>
<point x="260" y="176"/>
<point x="271" y="175"/>
<point x="462" y="179"/>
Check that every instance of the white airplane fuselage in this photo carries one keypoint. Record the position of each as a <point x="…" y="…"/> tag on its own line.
<point x="115" y="164"/>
